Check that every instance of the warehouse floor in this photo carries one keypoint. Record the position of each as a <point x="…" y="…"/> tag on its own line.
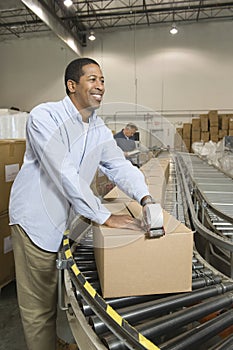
<point x="11" y="330"/>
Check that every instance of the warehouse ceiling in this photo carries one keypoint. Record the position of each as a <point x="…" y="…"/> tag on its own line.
<point x="25" y="18"/>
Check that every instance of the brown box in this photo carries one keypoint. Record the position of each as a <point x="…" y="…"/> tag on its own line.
<point x="196" y="135"/>
<point x="204" y="122"/>
<point x="156" y="167"/>
<point x="205" y="136"/>
<point x="7" y="267"/>
<point x="230" y="133"/>
<point x="187" y="130"/>
<point x="179" y="131"/>
<point x="214" y="133"/>
<point x="186" y="145"/>
<point x="178" y="140"/>
<point x="230" y="123"/>
<point x="196" y="124"/>
<point x="222" y="133"/>
<point x="214" y="130"/>
<point x="129" y="264"/>
<point x="224" y="122"/>
<point x="213" y="118"/>
<point x="11" y="158"/>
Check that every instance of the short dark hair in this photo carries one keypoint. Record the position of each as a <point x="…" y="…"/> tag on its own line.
<point x="74" y="69"/>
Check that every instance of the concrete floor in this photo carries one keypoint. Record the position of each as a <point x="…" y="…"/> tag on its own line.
<point x="11" y="330"/>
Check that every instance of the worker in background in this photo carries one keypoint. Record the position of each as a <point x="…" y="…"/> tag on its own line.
<point x="125" y="138"/>
<point x="66" y="143"/>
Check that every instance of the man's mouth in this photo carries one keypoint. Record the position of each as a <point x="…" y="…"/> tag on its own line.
<point x="97" y="97"/>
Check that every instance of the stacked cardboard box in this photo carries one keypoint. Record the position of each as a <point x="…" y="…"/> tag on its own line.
<point x="214" y="125"/>
<point x="211" y="126"/>
<point x="178" y="139"/>
<point x="230" y="125"/>
<point x="130" y="264"/>
<point x="187" y="135"/>
<point x="196" y="130"/>
<point x="11" y="158"/>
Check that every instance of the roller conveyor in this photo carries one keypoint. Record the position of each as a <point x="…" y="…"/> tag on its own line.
<point x="211" y="193"/>
<point x="198" y="320"/>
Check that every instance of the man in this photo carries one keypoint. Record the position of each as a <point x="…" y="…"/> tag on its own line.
<point x="66" y="143"/>
<point x="125" y="138"/>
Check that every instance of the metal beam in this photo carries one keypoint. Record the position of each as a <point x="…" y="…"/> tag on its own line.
<point x="43" y="11"/>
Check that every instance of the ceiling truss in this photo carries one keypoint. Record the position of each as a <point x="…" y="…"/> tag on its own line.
<point x="18" y="21"/>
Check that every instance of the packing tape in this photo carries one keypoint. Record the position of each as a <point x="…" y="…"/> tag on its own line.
<point x="154" y="215"/>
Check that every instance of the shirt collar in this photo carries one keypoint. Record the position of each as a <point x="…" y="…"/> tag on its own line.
<point x="70" y="107"/>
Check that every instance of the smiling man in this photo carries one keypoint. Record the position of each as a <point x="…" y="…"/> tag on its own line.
<point x="66" y="143"/>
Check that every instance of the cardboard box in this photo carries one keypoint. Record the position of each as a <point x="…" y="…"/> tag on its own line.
<point x="204" y="122"/>
<point x="186" y="145"/>
<point x="224" y="122"/>
<point x="230" y="133"/>
<point x="205" y="136"/>
<point x="231" y="124"/>
<point x="196" y="135"/>
<point x="156" y="167"/>
<point x="222" y="133"/>
<point x="196" y="124"/>
<point x="178" y="139"/>
<point x="129" y="264"/>
<point x="187" y="127"/>
<point x="213" y="118"/>
<point x="179" y="131"/>
<point x="7" y="266"/>
<point x="11" y="159"/>
<point x="214" y="133"/>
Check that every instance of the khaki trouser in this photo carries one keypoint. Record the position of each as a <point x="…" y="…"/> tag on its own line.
<point x="36" y="278"/>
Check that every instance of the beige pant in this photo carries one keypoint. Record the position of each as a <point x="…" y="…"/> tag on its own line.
<point x="36" y="278"/>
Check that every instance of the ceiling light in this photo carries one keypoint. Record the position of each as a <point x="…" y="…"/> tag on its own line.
<point x="173" y="29"/>
<point x="68" y="3"/>
<point x="91" y="36"/>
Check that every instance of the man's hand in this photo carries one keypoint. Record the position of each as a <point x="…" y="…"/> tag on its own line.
<point x="123" y="221"/>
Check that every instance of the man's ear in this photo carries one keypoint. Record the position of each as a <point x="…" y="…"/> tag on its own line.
<point x="71" y="85"/>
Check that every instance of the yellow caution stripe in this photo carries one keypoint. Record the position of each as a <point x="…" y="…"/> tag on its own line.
<point x="114" y="315"/>
<point x="146" y="343"/>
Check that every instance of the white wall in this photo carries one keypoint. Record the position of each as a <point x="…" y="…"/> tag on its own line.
<point x="190" y="71"/>
<point x="32" y="71"/>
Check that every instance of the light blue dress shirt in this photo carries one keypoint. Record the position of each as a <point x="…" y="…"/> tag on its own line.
<point x="61" y="159"/>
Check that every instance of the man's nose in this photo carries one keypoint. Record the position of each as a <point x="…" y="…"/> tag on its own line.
<point x="99" y="85"/>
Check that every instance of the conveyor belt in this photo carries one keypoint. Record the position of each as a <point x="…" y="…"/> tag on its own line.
<point x="199" y="320"/>
<point x="216" y="187"/>
<point x="211" y="194"/>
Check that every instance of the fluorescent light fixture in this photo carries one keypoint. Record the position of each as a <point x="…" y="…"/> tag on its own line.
<point x="173" y="29"/>
<point x="68" y="3"/>
<point x="91" y="36"/>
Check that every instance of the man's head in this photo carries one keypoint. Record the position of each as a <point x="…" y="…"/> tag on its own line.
<point x="74" y="70"/>
<point x="130" y="129"/>
<point x="84" y="84"/>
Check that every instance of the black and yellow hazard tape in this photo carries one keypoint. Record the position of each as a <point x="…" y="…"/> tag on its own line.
<point x="143" y="341"/>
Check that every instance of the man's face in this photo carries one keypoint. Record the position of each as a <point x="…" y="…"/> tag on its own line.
<point x="90" y="89"/>
<point x="129" y="132"/>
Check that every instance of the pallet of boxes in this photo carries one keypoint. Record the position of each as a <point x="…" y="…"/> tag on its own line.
<point x="11" y="158"/>
<point x="207" y="127"/>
